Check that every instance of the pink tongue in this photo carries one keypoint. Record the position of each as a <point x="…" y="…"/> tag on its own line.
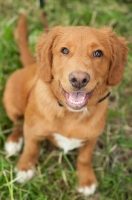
<point x="77" y="96"/>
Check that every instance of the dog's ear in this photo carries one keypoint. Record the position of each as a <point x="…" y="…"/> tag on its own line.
<point x="44" y="53"/>
<point x="119" y="51"/>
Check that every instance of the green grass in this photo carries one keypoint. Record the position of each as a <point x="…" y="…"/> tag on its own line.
<point x="55" y="174"/>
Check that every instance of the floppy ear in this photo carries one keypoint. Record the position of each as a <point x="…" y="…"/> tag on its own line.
<point x="119" y="52"/>
<point x="44" y="54"/>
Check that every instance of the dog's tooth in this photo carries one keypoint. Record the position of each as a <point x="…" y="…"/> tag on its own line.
<point x="76" y="102"/>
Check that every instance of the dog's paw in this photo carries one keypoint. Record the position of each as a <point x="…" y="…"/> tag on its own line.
<point x="23" y="176"/>
<point x="13" y="148"/>
<point x="87" y="190"/>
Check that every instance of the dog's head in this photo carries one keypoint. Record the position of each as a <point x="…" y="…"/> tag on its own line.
<point x="80" y="63"/>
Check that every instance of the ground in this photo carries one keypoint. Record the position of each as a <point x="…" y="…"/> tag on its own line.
<point x="55" y="177"/>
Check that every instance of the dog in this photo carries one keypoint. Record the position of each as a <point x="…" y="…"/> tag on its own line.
<point x="63" y="96"/>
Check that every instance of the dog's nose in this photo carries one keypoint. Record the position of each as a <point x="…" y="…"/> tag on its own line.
<point x="79" y="79"/>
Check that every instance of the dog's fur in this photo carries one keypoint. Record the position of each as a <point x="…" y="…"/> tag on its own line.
<point x="41" y="94"/>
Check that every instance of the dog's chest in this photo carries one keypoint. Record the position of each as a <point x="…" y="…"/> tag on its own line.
<point x="67" y="143"/>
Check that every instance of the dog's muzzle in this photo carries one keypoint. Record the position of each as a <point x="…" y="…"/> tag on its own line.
<point x="77" y="100"/>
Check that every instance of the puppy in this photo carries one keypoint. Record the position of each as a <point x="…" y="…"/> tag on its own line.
<point x="63" y="97"/>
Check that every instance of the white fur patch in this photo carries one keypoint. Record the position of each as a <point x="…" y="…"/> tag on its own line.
<point x="67" y="143"/>
<point x="23" y="176"/>
<point x="87" y="190"/>
<point x="13" y="148"/>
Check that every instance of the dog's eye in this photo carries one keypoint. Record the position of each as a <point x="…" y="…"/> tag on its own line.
<point x="64" y="50"/>
<point x="98" y="53"/>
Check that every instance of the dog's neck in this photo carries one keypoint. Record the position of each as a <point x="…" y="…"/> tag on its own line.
<point x="103" y="98"/>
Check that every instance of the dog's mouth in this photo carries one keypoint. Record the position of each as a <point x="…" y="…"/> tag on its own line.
<point x="77" y="100"/>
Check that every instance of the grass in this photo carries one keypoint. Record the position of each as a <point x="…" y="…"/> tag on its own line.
<point x="112" y="160"/>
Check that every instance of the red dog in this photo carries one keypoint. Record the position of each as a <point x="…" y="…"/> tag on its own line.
<point x="64" y="98"/>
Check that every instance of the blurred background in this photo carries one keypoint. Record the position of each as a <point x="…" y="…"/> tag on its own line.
<point x="55" y="175"/>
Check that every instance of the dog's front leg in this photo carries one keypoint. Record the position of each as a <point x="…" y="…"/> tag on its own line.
<point x="87" y="179"/>
<point x="28" y="159"/>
